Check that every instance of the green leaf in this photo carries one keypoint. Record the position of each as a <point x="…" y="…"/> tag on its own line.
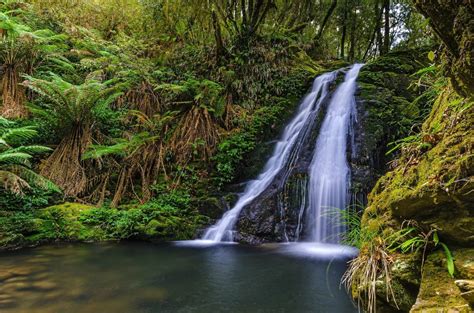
<point x="449" y="259"/>
<point x="435" y="238"/>
<point x="431" y="56"/>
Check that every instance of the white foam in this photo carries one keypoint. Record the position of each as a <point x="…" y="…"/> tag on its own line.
<point x="201" y="243"/>
<point x="318" y="250"/>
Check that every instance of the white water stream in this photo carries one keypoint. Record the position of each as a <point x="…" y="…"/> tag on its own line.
<point x="222" y="230"/>
<point x="329" y="170"/>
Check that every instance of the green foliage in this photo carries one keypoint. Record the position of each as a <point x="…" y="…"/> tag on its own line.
<point x="31" y="199"/>
<point x="204" y="93"/>
<point x="166" y="217"/>
<point x="350" y="217"/>
<point x="232" y="151"/>
<point x="69" y="106"/>
<point x="413" y="239"/>
<point x="15" y="158"/>
<point x="447" y="252"/>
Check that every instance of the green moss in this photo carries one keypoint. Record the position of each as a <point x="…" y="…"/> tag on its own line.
<point x="438" y="292"/>
<point x="430" y="180"/>
<point x="166" y="218"/>
<point x="431" y="183"/>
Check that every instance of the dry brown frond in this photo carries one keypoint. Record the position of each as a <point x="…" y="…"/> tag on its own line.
<point x="142" y="98"/>
<point x="12" y="182"/>
<point x="196" y="135"/>
<point x="363" y="276"/>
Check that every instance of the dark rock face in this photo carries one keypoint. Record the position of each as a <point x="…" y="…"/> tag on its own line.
<point x="275" y="215"/>
<point x="382" y="98"/>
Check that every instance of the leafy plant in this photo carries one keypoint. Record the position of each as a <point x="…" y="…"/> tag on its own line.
<point x="449" y="256"/>
<point x="21" y="51"/>
<point x="15" y="158"/>
<point x="374" y="261"/>
<point x="201" y="104"/>
<point x="71" y="108"/>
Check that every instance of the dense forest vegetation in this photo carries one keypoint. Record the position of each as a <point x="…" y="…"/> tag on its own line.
<point x="139" y="119"/>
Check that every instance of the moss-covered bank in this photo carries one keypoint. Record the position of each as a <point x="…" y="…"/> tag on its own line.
<point x="421" y="214"/>
<point x="386" y="112"/>
<point x="168" y="218"/>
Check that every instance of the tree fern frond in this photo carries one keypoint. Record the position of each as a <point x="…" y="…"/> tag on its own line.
<point x="13" y="182"/>
<point x="34" y="179"/>
<point x="5" y="123"/>
<point x="98" y="151"/>
<point x="32" y="149"/>
<point x="19" y="134"/>
<point x="8" y="157"/>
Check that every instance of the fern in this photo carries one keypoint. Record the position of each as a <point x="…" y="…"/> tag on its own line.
<point x="15" y="158"/>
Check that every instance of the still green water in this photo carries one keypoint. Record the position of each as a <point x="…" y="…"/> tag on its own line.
<point x="139" y="278"/>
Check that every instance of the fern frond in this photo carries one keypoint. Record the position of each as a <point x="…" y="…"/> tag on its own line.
<point x="13" y="182"/>
<point x="19" y="134"/>
<point x="34" y="179"/>
<point x="8" y="157"/>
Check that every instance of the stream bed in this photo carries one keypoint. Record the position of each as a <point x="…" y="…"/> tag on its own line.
<point x="175" y="278"/>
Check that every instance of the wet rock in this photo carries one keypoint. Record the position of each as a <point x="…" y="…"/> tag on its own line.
<point x="52" y="296"/>
<point x="7" y="303"/>
<point x="404" y="284"/>
<point x="25" y="270"/>
<point x="273" y="216"/>
<point x="5" y="296"/>
<point x="16" y="279"/>
<point x="21" y="285"/>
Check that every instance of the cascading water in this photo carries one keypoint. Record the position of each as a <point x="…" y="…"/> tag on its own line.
<point x="329" y="170"/>
<point x="222" y="230"/>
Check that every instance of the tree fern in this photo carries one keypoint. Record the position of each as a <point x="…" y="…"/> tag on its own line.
<point x="74" y="110"/>
<point x="15" y="158"/>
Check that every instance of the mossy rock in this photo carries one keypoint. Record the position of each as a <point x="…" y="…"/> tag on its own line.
<point x="464" y="263"/>
<point x="433" y="186"/>
<point x="438" y="291"/>
<point x="73" y="222"/>
<point x="62" y="222"/>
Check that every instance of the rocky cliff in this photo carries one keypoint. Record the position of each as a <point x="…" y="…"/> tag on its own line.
<point x="419" y="222"/>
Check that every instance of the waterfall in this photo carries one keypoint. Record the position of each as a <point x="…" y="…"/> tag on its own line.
<point x="222" y="230"/>
<point x="329" y="170"/>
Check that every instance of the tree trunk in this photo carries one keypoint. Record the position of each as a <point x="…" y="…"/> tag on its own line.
<point x="353" y="34"/>
<point x="344" y="30"/>
<point x="453" y="22"/>
<point x="326" y="19"/>
<point x="386" y="36"/>
<point x="375" y="35"/>
<point x="220" y="49"/>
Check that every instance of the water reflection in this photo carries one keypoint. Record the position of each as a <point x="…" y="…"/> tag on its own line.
<point x="135" y="278"/>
